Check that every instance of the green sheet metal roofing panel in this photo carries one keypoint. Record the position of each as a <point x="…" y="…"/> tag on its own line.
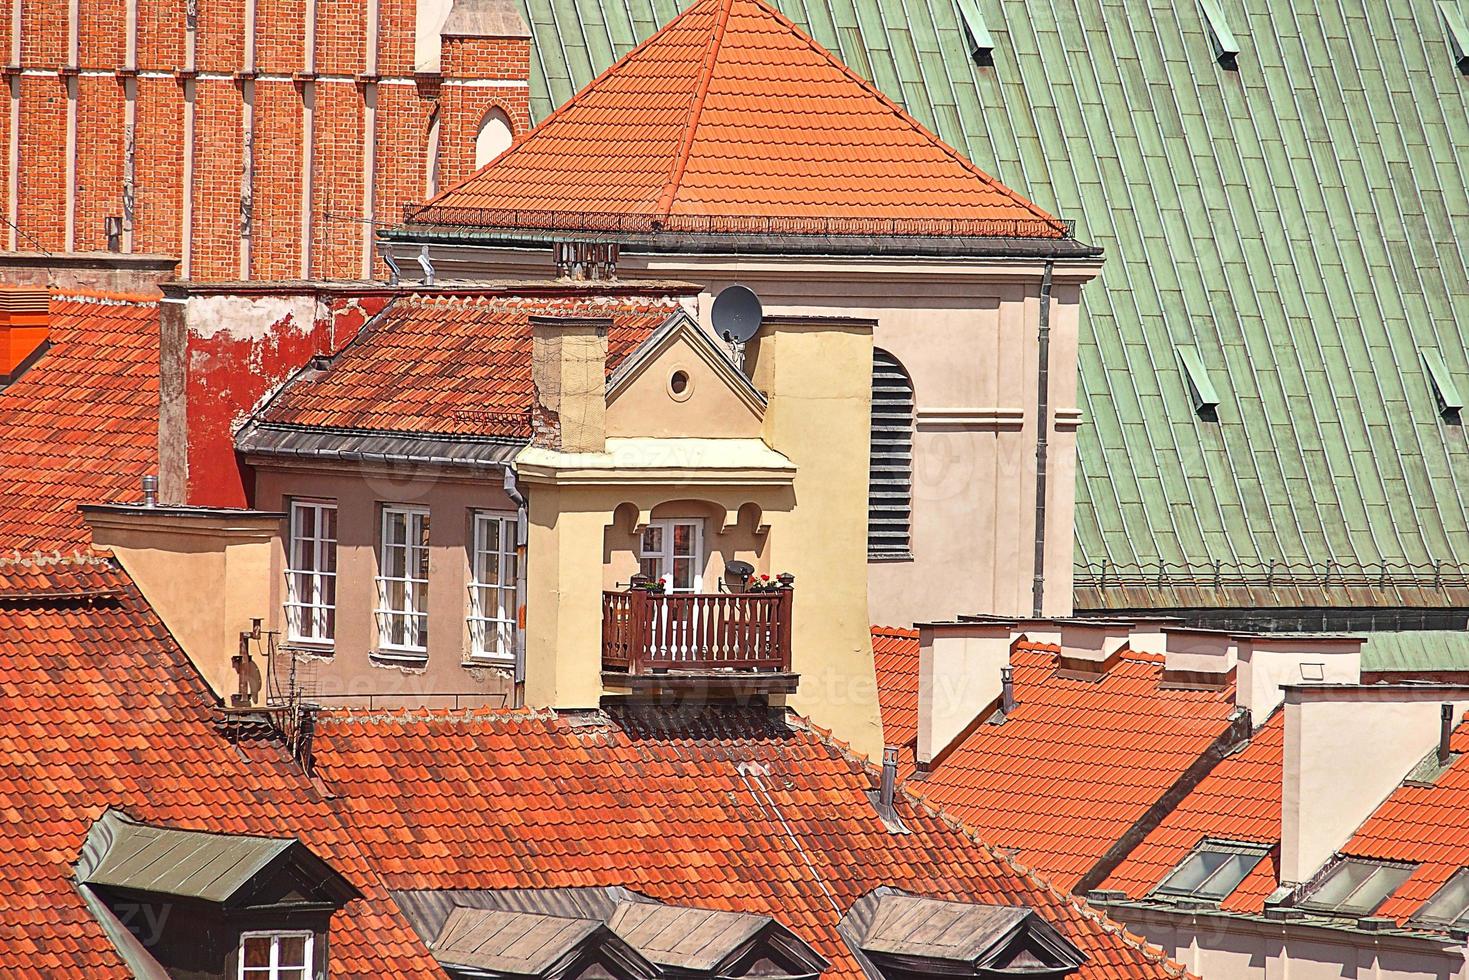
<point x="1416" y="651"/>
<point x="1302" y="222"/>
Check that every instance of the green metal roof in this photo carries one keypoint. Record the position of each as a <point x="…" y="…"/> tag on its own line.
<point x="1427" y="651"/>
<point x="1299" y="223"/>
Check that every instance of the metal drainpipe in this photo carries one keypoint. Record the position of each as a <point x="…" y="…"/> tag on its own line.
<point x="522" y="535"/>
<point x="1042" y="442"/>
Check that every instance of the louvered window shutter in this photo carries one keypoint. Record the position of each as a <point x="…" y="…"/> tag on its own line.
<point x="890" y="491"/>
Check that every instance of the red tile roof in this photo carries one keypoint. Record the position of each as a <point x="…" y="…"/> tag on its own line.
<point x="453" y="364"/>
<point x="1073" y="767"/>
<point x="732" y="119"/>
<point x="735" y="810"/>
<point x="81" y="424"/>
<point x="1423" y="825"/>
<point x="1239" y="800"/>
<point x="99" y="708"/>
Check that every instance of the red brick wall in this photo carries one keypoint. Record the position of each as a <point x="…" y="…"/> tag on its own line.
<point x="404" y="106"/>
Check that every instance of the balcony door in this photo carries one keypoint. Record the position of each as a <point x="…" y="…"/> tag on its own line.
<point x="672" y="551"/>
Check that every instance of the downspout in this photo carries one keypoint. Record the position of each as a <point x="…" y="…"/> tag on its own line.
<point x="1042" y="441"/>
<point x="522" y="535"/>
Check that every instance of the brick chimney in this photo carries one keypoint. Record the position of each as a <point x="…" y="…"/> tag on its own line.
<point x="569" y="375"/>
<point x="25" y="329"/>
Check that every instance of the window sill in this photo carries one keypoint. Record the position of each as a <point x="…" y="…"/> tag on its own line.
<point x="320" y="648"/>
<point x="502" y="663"/>
<point x="890" y="556"/>
<point x="399" y="658"/>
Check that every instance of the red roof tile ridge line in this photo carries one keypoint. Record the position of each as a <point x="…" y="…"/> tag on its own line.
<point x="48" y="560"/>
<point x="701" y="93"/>
<point x="103" y="297"/>
<point x="1081" y="905"/>
<point x="563" y="107"/>
<point x="902" y="632"/>
<point x="464" y="716"/>
<point x="904" y="115"/>
<point x="308" y="372"/>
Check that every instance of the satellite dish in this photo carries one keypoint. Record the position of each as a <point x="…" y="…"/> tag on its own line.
<point x="736" y="314"/>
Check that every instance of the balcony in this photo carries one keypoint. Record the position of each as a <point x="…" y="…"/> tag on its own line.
<point x="736" y="642"/>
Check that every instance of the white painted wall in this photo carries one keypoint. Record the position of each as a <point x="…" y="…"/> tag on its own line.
<point x="958" y="676"/>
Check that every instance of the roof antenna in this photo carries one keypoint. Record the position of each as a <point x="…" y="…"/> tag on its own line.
<point x="395" y="274"/>
<point x="427" y="266"/>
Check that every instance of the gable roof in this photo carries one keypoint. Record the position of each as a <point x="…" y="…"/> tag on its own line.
<point x="451" y="365"/>
<point x="1108" y="749"/>
<point x="732" y="119"/>
<point x="100" y="709"/>
<point x="744" y="811"/>
<point x="1299" y="222"/>
<point x="81" y="424"/>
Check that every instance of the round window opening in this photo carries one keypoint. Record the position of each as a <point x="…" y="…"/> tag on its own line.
<point x="680" y="385"/>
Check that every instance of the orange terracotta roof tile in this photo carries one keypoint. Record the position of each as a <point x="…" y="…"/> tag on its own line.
<point x="1238" y="800"/>
<point x="732" y="119"/>
<point x="454" y="365"/>
<point x="1073" y="767"/>
<point x="1423" y="825"/>
<point x="81" y="424"/>
<point x="736" y="810"/>
<point x="99" y="708"/>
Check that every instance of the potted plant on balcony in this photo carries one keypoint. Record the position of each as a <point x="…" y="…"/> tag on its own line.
<point x="764" y="583"/>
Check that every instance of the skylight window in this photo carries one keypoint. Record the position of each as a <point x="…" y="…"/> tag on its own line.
<point x="1354" y="887"/>
<point x="1213" y="871"/>
<point x="1200" y="388"/>
<point x="1450" y="402"/>
<point x="1226" y="48"/>
<point x="981" y="44"/>
<point x="1449" y="908"/>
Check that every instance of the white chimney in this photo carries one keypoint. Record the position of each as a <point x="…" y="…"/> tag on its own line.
<point x="1088" y="644"/>
<point x="959" y="678"/>
<point x="1347" y="747"/>
<point x="1270" y="661"/>
<point x="1197" y="657"/>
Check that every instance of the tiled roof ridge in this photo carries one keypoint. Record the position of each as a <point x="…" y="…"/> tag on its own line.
<point x="102" y="297"/>
<point x="900" y="632"/>
<point x="348" y="714"/>
<point x="47" y="560"/>
<point x="696" y="110"/>
<point x="560" y="110"/>
<point x="902" y="113"/>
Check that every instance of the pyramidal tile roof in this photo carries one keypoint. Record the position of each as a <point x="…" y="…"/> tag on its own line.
<point x="732" y="119"/>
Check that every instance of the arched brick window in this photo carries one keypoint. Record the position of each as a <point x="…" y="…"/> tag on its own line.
<point x="494" y="136"/>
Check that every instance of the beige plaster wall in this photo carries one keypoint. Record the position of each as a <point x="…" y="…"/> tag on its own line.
<point x="206" y="574"/>
<point x="345" y="673"/>
<point x="1346" y="749"/>
<point x="958" y="677"/>
<point x="647" y="406"/>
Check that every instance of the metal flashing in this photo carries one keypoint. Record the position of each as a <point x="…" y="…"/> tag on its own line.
<point x="1201" y="389"/>
<point x="1226" y="48"/>
<point x="1450" y="402"/>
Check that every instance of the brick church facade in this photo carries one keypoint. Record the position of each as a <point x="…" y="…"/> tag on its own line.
<point x="250" y="139"/>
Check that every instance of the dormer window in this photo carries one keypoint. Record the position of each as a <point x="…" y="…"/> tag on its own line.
<point x="1449" y="907"/>
<point x="276" y="956"/>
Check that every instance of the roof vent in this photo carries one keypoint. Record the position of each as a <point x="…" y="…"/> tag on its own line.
<point x="1226" y="48"/>
<point x="1450" y="402"/>
<point x="981" y="44"/>
<point x="1458" y="33"/>
<point x="1200" y="388"/>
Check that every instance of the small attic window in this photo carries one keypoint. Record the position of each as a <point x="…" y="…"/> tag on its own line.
<point x="1449" y="907"/>
<point x="1213" y="871"/>
<point x="1200" y="388"/>
<point x="1450" y="402"/>
<point x="1353" y="887"/>
<point x="1226" y="48"/>
<point x="1458" y="33"/>
<point x="981" y="44"/>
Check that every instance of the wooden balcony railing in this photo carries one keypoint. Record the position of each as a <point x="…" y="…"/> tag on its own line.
<point x="644" y="632"/>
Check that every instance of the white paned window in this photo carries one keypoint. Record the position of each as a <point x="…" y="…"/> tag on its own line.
<point x="493" y="595"/>
<point x="311" y="573"/>
<point x="402" y="581"/>
<point x="276" y="956"/>
<point x="673" y="552"/>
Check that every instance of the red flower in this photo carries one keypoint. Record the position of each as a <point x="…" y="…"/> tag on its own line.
<point x="765" y="578"/>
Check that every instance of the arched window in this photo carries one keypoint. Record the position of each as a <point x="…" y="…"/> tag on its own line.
<point x="890" y="482"/>
<point x="494" y="136"/>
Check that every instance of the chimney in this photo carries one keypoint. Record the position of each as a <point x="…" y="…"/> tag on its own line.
<point x="1445" y="732"/>
<point x="25" y="327"/>
<point x="889" y="784"/>
<point x="150" y="490"/>
<point x="960" y="680"/>
<point x="1347" y="748"/>
<point x="1268" y="662"/>
<point x="1089" y="647"/>
<point x="569" y="375"/>
<point x="1197" y="659"/>
<point x="1007" y="689"/>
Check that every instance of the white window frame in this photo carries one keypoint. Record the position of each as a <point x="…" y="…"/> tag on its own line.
<point x="494" y="607"/>
<point x="665" y="556"/>
<point x="275" y="936"/>
<point x="310" y="618"/>
<point x="415" y="623"/>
